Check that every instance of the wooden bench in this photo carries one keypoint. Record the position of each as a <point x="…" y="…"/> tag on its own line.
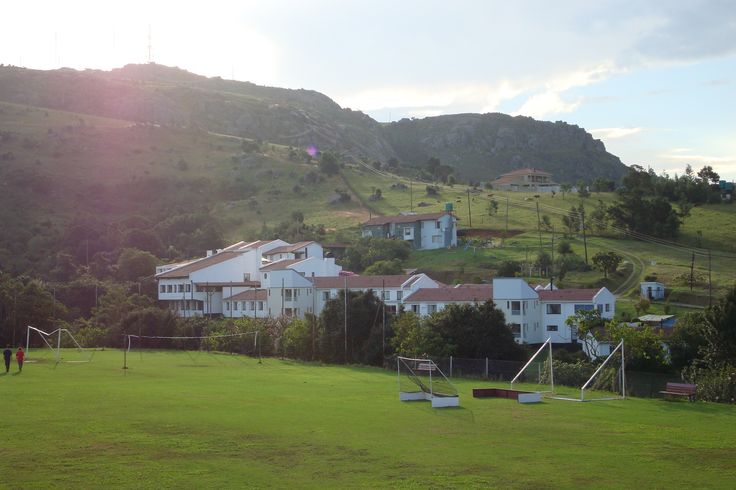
<point x="680" y="389"/>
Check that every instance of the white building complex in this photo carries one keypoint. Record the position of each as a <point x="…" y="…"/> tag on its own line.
<point x="274" y="278"/>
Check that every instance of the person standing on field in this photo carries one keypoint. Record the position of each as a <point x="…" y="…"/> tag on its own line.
<point x="7" y="354"/>
<point x="19" y="356"/>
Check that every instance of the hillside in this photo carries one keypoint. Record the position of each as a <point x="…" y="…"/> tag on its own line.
<point x="478" y="146"/>
<point x="487" y="145"/>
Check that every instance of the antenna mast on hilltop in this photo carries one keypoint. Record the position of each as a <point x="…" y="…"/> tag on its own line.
<point x="149" y="44"/>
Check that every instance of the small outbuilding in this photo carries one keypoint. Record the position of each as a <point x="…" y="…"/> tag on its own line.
<point x="652" y="290"/>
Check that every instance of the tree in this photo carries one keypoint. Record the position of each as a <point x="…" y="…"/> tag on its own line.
<point x="384" y="267"/>
<point x="368" y="251"/>
<point x="414" y="338"/>
<point x="687" y="340"/>
<point x="564" y="189"/>
<point x="508" y="268"/>
<point x="475" y="331"/>
<point x="492" y="207"/>
<point x="707" y="174"/>
<point x="364" y="331"/>
<point x="590" y="328"/>
<point x="720" y="331"/>
<point x="607" y="262"/>
<point x="564" y="248"/>
<point x="544" y="262"/>
<point x="643" y="346"/>
<point x="297" y="340"/>
<point x="134" y="264"/>
<point x="328" y="163"/>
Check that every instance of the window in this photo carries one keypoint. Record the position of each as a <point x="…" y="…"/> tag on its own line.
<point x="265" y="276"/>
<point x="180" y="288"/>
<point x="415" y="308"/>
<point x="288" y="295"/>
<point x="260" y="306"/>
<point x="235" y="305"/>
<point x="251" y="305"/>
<point x="169" y="288"/>
<point x="551" y="328"/>
<point x="325" y="295"/>
<point x="608" y="307"/>
<point x="515" y="329"/>
<point x="242" y="305"/>
<point x="227" y="306"/>
<point x="399" y="295"/>
<point x="431" y="308"/>
<point x="583" y="308"/>
<point x="188" y="288"/>
<point x="554" y="309"/>
<point x="516" y="307"/>
<point x="163" y="288"/>
<point x="407" y="231"/>
<point x="385" y="295"/>
<point x="599" y="308"/>
<point x="436" y="239"/>
<point x="437" y="225"/>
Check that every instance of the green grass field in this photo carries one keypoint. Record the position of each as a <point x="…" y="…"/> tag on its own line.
<point x="194" y="420"/>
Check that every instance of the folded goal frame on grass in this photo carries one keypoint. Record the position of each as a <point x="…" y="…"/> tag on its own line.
<point x="422" y="379"/>
<point x="45" y="336"/>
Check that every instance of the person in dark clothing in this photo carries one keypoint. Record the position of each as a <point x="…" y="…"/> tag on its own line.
<point x="7" y="354"/>
<point x="19" y="356"/>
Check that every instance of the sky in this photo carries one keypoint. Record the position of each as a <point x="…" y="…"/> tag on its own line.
<point x="654" y="80"/>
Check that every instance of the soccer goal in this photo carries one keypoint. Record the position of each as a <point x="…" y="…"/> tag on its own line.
<point x="240" y="343"/>
<point x="57" y="341"/>
<point x="538" y="373"/>
<point x="422" y="379"/>
<point x="608" y="382"/>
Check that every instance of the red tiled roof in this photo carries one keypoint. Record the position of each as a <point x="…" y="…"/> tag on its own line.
<point x="187" y="269"/>
<point x="280" y="264"/>
<point x="567" y="294"/>
<point x="252" y="295"/>
<point x="288" y="248"/>
<point x="247" y="284"/>
<point x="408" y="218"/>
<point x="526" y="171"/>
<point x="369" y="282"/>
<point x="469" y="293"/>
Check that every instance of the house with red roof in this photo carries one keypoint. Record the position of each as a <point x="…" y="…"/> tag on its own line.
<point x="422" y="231"/>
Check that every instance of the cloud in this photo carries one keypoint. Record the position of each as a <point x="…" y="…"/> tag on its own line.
<point x="682" y="154"/>
<point x="614" y="133"/>
<point x="540" y="105"/>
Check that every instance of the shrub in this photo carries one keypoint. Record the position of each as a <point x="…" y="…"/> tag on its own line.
<point x="569" y="374"/>
<point x="714" y="385"/>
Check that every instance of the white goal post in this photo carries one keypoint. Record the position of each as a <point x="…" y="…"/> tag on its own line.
<point x="548" y="345"/>
<point x="45" y="336"/>
<point x="422" y="379"/>
<point x="620" y="393"/>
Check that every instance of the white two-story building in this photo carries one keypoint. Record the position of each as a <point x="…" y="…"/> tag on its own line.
<point x="533" y="315"/>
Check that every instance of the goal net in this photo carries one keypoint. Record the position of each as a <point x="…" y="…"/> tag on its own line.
<point x="230" y="344"/>
<point x="538" y="373"/>
<point x="56" y="346"/>
<point x="422" y="379"/>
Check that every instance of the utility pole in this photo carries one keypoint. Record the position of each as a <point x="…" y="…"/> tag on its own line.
<point x="539" y="227"/>
<point x="470" y="217"/>
<point x="692" y="270"/>
<point x="383" y="325"/>
<point x="345" y="319"/>
<point x="506" y="234"/>
<point x="553" y="252"/>
<point x="411" y="195"/>
<point x="585" y="239"/>
<point x="710" y="284"/>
